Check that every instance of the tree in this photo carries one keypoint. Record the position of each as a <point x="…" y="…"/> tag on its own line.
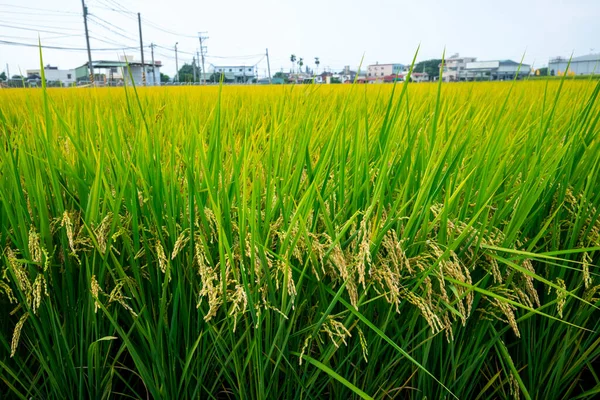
<point x="186" y="73"/>
<point x="217" y="77"/>
<point x="3" y="76"/>
<point x="432" y="67"/>
<point x="300" y="64"/>
<point x="164" y="78"/>
<point x="283" y="76"/>
<point x="543" y="71"/>
<point x="293" y="60"/>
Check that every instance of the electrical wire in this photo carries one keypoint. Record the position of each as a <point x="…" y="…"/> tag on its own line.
<point x="109" y="29"/>
<point x="33" y="30"/>
<point x="39" y="9"/>
<point x="103" y="21"/>
<point x="10" y="43"/>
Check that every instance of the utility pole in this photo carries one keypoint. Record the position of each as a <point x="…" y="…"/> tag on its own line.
<point x="202" y="39"/>
<point x="153" y="64"/>
<point x="176" y="64"/>
<point x="87" y="40"/>
<point x="199" y="72"/>
<point x="269" y="66"/>
<point x="194" y="68"/>
<point x="142" y="50"/>
<point x="7" y="72"/>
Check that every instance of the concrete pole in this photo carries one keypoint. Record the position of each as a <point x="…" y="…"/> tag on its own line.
<point x="176" y="64"/>
<point x="87" y="40"/>
<point x="142" y="50"/>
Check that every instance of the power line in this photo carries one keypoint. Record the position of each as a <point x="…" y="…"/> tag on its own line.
<point x="38" y="9"/>
<point x="250" y="56"/>
<point x="37" y="14"/>
<point x="35" y="39"/>
<point x="119" y="8"/>
<point x="32" y="29"/>
<point x="109" y="29"/>
<point x="103" y="21"/>
<point x="9" y="43"/>
<point x="128" y="13"/>
<point x="109" y="41"/>
<point x="32" y="24"/>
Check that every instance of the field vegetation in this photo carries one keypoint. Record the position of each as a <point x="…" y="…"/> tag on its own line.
<point x="301" y="242"/>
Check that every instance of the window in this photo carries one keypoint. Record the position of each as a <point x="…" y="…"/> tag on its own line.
<point x="249" y="69"/>
<point x="230" y="70"/>
<point x="68" y="76"/>
<point x="382" y="74"/>
<point x="369" y="74"/>
<point x="240" y="70"/>
<point x="220" y="69"/>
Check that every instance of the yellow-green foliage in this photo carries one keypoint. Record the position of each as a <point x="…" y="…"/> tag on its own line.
<point x="417" y="240"/>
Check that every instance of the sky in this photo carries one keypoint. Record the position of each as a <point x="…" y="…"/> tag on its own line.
<point x="339" y="32"/>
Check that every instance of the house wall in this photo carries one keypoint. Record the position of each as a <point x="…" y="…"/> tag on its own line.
<point x="587" y="67"/>
<point x="380" y="70"/>
<point x="66" y="76"/>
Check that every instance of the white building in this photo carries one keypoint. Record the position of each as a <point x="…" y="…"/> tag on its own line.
<point x="65" y="77"/>
<point x="583" y="65"/>
<point x="235" y="73"/>
<point x="381" y="70"/>
<point x="496" y="70"/>
<point x="117" y="72"/>
<point x="455" y="66"/>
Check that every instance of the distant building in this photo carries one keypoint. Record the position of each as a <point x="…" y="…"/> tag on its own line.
<point x="495" y="70"/>
<point x="380" y="70"/>
<point x="583" y="65"/>
<point x="455" y="67"/>
<point x="273" y="81"/>
<point x="63" y="77"/>
<point x="236" y="73"/>
<point x="118" y="72"/>
<point x="400" y="77"/>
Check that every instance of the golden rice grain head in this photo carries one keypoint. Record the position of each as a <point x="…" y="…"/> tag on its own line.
<point x="305" y="348"/>
<point x="363" y="344"/>
<point x="180" y="243"/>
<point x="34" y="245"/>
<point x="515" y="390"/>
<point x="17" y="334"/>
<point x="8" y="292"/>
<point x="95" y="290"/>
<point x="162" y="258"/>
<point x="561" y="296"/>
<point x="101" y="232"/>
<point x="335" y="330"/>
<point x="508" y="310"/>
<point x="67" y="223"/>
<point x="587" y="261"/>
<point x="39" y="289"/>
<point x="529" y="283"/>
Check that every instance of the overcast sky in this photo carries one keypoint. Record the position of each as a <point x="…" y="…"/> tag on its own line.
<point x="338" y="32"/>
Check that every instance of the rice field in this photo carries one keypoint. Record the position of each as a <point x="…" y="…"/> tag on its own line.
<point x="301" y="242"/>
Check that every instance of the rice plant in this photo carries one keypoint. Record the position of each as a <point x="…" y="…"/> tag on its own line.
<point x="298" y="242"/>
